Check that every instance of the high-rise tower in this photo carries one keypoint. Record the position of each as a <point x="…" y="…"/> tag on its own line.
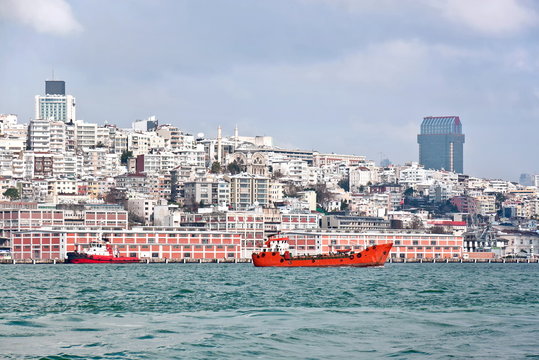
<point x="441" y="143"/>
<point x="55" y="104"/>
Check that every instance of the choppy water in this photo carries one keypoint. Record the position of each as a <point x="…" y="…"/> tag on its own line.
<point x="235" y="311"/>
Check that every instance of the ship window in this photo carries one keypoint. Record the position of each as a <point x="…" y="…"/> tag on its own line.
<point x="230" y="255"/>
<point x="187" y="255"/>
<point x="415" y="242"/>
<point x="155" y="255"/>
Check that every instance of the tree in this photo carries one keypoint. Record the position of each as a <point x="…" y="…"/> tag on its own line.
<point x="416" y="223"/>
<point x="291" y="190"/>
<point x="234" y="168"/>
<point x="437" y="230"/>
<point x="409" y="192"/>
<point x="277" y="174"/>
<point x="215" y="167"/>
<point x="115" y="196"/>
<point x="344" y="183"/>
<point x="125" y="156"/>
<point x="12" y="194"/>
<point x="323" y="196"/>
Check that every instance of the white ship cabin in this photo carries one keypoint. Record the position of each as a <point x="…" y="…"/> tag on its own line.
<point x="277" y="245"/>
<point x="97" y="248"/>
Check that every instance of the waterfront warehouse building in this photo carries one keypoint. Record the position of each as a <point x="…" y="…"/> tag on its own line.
<point x="441" y="143"/>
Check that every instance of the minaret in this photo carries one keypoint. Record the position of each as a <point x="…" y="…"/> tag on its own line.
<point x="219" y="145"/>
<point x="236" y="137"/>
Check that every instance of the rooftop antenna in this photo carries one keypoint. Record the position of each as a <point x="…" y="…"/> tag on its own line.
<point x="52" y="73"/>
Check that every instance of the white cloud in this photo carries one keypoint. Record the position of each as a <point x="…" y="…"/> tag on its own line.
<point x="386" y="63"/>
<point x="490" y="17"/>
<point x="46" y="16"/>
<point x="494" y="17"/>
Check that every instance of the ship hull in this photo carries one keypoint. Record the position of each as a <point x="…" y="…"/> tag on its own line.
<point x="73" y="258"/>
<point x="372" y="256"/>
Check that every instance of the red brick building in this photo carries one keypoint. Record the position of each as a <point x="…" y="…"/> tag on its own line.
<point x="407" y="245"/>
<point x="159" y="244"/>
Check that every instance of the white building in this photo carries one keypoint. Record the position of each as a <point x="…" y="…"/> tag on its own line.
<point x="86" y="134"/>
<point x="56" y="107"/>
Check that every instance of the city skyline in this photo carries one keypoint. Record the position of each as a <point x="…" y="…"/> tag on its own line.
<point x="359" y="84"/>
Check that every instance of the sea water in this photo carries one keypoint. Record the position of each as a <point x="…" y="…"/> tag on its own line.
<point x="237" y="311"/>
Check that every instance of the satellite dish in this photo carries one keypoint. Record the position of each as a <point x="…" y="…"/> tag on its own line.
<point x="200" y="135"/>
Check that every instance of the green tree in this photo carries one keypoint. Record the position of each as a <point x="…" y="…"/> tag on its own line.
<point x="234" y="168"/>
<point x="409" y="192"/>
<point x="344" y="183"/>
<point x="215" y="167"/>
<point x="12" y="194"/>
<point x="125" y="156"/>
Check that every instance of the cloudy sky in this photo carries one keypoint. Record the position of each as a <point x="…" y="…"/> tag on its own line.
<point x="344" y="76"/>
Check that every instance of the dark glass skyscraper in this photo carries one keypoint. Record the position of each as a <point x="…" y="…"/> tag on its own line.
<point x="441" y="143"/>
<point x="55" y="87"/>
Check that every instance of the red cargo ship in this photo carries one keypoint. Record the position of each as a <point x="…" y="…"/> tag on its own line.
<point x="99" y="253"/>
<point x="276" y="253"/>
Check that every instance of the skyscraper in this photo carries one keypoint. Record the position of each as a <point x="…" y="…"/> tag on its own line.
<point x="441" y="143"/>
<point x="55" y="104"/>
<point x="55" y="87"/>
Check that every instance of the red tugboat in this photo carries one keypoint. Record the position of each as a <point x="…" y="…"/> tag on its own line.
<point x="276" y="253"/>
<point x="99" y="253"/>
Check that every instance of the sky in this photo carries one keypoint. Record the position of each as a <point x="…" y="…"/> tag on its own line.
<point x="343" y="76"/>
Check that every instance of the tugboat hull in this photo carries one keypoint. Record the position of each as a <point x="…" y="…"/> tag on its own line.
<point x="375" y="255"/>
<point x="73" y="258"/>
